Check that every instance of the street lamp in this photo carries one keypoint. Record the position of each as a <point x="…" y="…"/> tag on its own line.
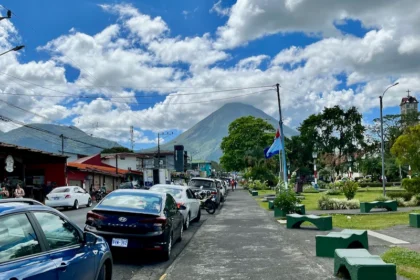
<point x="15" y="49"/>
<point x="315" y="155"/>
<point x="382" y="137"/>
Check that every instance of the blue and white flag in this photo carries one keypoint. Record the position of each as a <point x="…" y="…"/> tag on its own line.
<point x="275" y="148"/>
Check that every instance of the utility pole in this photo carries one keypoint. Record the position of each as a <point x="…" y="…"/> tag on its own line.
<point x="62" y="144"/>
<point x="158" y="151"/>
<point x="132" y="137"/>
<point x="283" y="154"/>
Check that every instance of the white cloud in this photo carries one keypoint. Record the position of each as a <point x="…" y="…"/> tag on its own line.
<point x="218" y="9"/>
<point x="252" y="62"/>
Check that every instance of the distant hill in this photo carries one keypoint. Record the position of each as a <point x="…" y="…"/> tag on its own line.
<point x="203" y="139"/>
<point x="31" y="138"/>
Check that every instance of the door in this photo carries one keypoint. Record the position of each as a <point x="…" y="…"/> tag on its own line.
<point x="193" y="203"/>
<point x="173" y="215"/>
<point x="83" y="196"/>
<point x="156" y="176"/>
<point x="73" y="259"/>
<point x="21" y="255"/>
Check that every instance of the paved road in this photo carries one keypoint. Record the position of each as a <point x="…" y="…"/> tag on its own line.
<point x="142" y="266"/>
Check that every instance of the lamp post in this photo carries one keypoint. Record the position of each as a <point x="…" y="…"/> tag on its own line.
<point x="15" y="49"/>
<point x="382" y="137"/>
<point x="315" y="155"/>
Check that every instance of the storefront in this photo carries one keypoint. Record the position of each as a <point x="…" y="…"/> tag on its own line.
<point x="31" y="168"/>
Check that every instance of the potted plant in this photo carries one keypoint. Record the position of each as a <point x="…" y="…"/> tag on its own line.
<point x="285" y="203"/>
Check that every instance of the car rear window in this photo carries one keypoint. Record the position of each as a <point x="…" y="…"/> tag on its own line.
<point x="144" y="203"/>
<point x="176" y="193"/>
<point x="198" y="183"/>
<point x="60" y="190"/>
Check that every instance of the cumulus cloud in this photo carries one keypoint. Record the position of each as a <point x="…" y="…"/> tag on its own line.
<point x="218" y="9"/>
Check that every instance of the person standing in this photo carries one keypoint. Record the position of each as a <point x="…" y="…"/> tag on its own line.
<point x="4" y="193"/>
<point x="19" y="192"/>
<point x="236" y="184"/>
<point x="232" y="183"/>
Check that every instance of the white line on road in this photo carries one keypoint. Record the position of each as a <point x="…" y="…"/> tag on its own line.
<point x="387" y="238"/>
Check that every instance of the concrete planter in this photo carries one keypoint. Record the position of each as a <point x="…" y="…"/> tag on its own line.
<point x="278" y="212"/>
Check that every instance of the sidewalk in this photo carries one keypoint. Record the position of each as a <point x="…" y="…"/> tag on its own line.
<point x="245" y="242"/>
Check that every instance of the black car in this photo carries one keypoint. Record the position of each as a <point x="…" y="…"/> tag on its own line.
<point x="137" y="219"/>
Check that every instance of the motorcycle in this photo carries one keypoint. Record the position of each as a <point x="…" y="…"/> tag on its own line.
<point x="207" y="201"/>
<point x="99" y="195"/>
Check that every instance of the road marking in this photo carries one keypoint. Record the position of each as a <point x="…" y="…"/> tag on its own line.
<point x="387" y="238"/>
<point x="162" y="277"/>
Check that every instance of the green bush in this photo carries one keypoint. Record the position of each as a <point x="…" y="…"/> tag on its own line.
<point x="411" y="185"/>
<point x="334" y="192"/>
<point x="382" y="198"/>
<point x="258" y="185"/>
<point x="349" y="189"/>
<point x="335" y="186"/>
<point x="310" y="189"/>
<point x="377" y="184"/>
<point x="328" y="203"/>
<point x="400" y="201"/>
<point x="322" y="184"/>
<point x="286" y="200"/>
<point x="401" y="194"/>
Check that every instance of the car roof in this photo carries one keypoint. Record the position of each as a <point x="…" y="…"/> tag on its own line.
<point x="63" y="187"/>
<point x="12" y="205"/>
<point x="171" y="186"/>
<point x="137" y="191"/>
<point x="202" y="179"/>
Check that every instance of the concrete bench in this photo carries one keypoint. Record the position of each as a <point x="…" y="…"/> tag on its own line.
<point x="254" y="193"/>
<point x="299" y="209"/>
<point x="271" y="204"/>
<point x="390" y="205"/>
<point x="346" y="239"/>
<point x="361" y="265"/>
<point x="415" y="220"/>
<point x="321" y="222"/>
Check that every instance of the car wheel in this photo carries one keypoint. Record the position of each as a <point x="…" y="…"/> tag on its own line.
<point x="102" y="273"/>
<point x="166" y="254"/>
<point x="89" y="202"/>
<point x="187" y="222"/>
<point x="197" y="219"/>
<point x="76" y="205"/>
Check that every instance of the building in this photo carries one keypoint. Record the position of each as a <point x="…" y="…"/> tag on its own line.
<point x="203" y="166"/>
<point x="31" y="167"/>
<point x="409" y="104"/>
<point x="155" y="170"/>
<point x="91" y="171"/>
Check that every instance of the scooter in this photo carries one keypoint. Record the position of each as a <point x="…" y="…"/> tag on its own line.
<point x="207" y="201"/>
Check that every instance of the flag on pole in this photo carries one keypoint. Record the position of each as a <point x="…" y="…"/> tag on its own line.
<point x="275" y="148"/>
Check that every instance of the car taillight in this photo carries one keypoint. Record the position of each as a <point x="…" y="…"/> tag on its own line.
<point x="159" y="222"/>
<point x="213" y="192"/>
<point x="92" y="216"/>
<point x="67" y="196"/>
<point x="179" y="204"/>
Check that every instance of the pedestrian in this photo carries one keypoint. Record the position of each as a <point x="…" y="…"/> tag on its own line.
<point x="4" y="193"/>
<point x="236" y="184"/>
<point x="232" y="183"/>
<point x="19" y="192"/>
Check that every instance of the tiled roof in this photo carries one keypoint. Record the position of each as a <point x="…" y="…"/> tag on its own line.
<point x="100" y="169"/>
<point x="408" y="99"/>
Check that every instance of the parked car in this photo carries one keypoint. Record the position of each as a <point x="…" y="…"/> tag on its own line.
<point x="38" y="242"/>
<point x="71" y="196"/>
<point x="183" y="196"/>
<point x="138" y="219"/>
<point x="221" y="187"/>
<point x="207" y="184"/>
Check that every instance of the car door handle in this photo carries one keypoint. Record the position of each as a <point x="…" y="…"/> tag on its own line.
<point x="63" y="266"/>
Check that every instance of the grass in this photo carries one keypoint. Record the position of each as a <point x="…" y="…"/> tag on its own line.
<point x="407" y="261"/>
<point x="371" y="222"/>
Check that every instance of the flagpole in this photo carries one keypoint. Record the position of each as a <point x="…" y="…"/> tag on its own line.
<point x="283" y="154"/>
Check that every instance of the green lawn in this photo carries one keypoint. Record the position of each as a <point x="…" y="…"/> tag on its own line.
<point x="407" y="261"/>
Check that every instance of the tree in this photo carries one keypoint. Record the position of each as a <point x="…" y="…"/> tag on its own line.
<point x="115" y="150"/>
<point x="407" y="148"/>
<point x="248" y="136"/>
<point x="336" y="132"/>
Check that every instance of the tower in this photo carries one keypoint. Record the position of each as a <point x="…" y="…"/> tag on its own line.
<point x="409" y="104"/>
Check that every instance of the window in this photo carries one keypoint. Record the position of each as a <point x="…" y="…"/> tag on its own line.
<point x="190" y="195"/>
<point x="58" y="232"/>
<point x="170" y="203"/>
<point x="144" y="203"/>
<point x="17" y="238"/>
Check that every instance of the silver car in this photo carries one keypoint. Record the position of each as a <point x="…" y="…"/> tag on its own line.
<point x="183" y="196"/>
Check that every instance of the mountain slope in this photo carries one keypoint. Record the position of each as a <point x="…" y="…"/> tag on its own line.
<point x="203" y="140"/>
<point x="35" y="139"/>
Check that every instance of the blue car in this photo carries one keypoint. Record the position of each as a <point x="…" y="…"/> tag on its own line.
<point x="39" y="243"/>
<point x="138" y="219"/>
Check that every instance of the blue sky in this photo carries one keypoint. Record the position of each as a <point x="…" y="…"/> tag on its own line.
<point x="187" y="48"/>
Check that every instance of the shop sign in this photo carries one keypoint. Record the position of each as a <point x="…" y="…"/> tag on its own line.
<point x="9" y="164"/>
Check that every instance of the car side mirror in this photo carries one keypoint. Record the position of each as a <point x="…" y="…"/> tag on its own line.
<point x="89" y="238"/>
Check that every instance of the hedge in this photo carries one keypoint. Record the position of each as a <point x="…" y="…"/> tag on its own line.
<point x="378" y="184"/>
<point x="411" y="185"/>
<point x="406" y="195"/>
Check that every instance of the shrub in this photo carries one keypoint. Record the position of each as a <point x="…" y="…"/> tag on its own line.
<point x="349" y="189"/>
<point x="309" y="189"/>
<point x="377" y="184"/>
<point x="328" y="203"/>
<point x="413" y="202"/>
<point x="400" y="201"/>
<point x="286" y="201"/>
<point x="382" y="198"/>
<point x="411" y="185"/>
<point x="322" y="184"/>
<point x="400" y="194"/>
<point x="333" y="192"/>
<point x="258" y="185"/>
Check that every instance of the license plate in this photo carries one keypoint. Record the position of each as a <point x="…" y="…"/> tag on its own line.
<point x="118" y="242"/>
<point x="56" y="198"/>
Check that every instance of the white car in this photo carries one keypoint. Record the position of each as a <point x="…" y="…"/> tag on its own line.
<point x="183" y="195"/>
<point x="221" y="187"/>
<point x="71" y="196"/>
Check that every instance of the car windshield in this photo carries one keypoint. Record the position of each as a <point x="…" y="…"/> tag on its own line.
<point x="176" y="193"/>
<point x="144" y="203"/>
<point x="198" y="183"/>
<point x="60" y="190"/>
<point x="126" y="185"/>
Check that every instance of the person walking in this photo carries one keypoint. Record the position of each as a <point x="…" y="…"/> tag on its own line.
<point x="236" y="184"/>
<point x="232" y="183"/>
<point x="19" y="192"/>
